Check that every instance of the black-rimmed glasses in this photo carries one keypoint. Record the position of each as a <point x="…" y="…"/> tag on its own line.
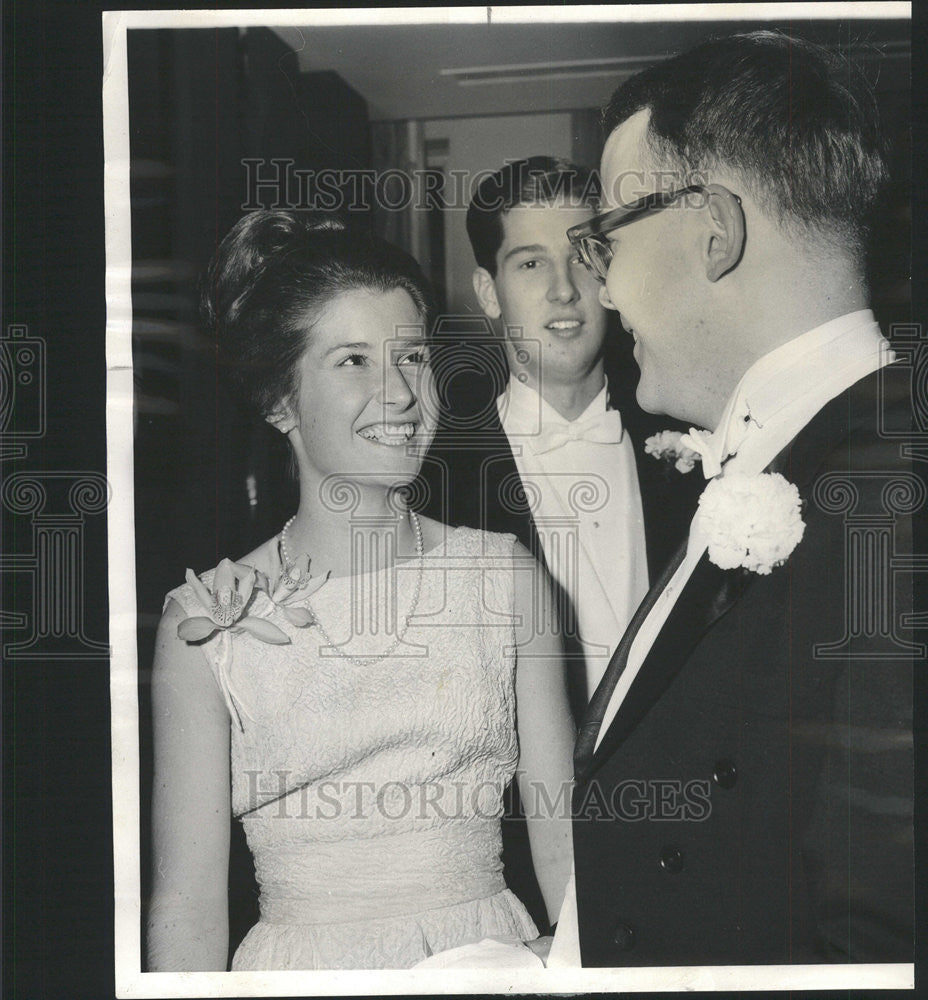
<point x="591" y="238"/>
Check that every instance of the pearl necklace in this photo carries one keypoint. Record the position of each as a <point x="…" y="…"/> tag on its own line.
<point x="361" y="661"/>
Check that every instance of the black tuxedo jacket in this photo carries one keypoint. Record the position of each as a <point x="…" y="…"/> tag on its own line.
<point x="751" y="802"/>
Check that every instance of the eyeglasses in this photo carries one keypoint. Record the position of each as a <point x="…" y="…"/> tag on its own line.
<point x="591" y="240"/>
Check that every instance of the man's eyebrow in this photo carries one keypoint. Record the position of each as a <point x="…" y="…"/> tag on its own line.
<point x="525" y="248"/>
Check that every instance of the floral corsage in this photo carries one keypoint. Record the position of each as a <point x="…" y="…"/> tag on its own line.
<point x="751" y="521"/>
<point x="292" y="582"/>
<point x="230" y="602"/>
<point x="667" y="445"/>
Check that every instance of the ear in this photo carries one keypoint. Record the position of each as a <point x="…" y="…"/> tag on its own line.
<point x="725" y="243"/>
<point x="485" y="290"/>
<point x="282" y="419"/>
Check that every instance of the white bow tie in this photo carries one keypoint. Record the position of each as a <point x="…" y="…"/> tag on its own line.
<point x="604" y="428"/>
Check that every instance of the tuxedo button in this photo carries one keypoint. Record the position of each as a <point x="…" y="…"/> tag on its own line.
<point x="725" y="774"/>
<point x="672" y="859"/>
<point x="624" y="937"/>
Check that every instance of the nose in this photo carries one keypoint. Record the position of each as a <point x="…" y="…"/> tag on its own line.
<point x="397" y="389"/>
<point x="562" y="287"/>
<point x="604" y="298"/>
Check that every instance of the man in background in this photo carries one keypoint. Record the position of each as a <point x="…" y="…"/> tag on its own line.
<point x="557" y="457"/>
<point x="556" y="454"/>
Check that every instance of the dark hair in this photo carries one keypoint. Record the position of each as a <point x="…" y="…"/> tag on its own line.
<point x="536" y="180"/>
<point x="273" y="272"/>
<point x="796" y="121"/>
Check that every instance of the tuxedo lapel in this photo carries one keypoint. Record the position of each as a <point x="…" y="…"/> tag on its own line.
<point x="668" y="497"/>
<point x="476" y="483"/>
<point x="707" y="595"/>
<point x="592" y="718"/>
<point x="710" y="591"/>
<point x="505" y="507"/>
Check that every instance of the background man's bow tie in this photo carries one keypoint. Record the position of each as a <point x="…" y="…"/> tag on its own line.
<point x="604" y="428"/>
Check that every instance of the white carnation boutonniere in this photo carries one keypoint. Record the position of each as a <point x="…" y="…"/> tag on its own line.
<point x="751" y="521"/>
<point x="228" y="606"/>
<point x="669" y="446"/>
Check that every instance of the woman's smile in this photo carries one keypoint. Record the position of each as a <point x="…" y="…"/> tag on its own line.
<point x="393" y="435"/>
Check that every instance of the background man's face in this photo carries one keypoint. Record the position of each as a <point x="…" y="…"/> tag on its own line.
<point x="545" y="296"/>
<point x="651" y="281"/>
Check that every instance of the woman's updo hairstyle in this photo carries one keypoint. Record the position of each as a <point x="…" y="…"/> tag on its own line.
<point x="273" y="274"/>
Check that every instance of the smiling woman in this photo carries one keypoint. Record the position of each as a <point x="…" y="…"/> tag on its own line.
<point x="396" y="681"/>
<point x="364" y="380"/>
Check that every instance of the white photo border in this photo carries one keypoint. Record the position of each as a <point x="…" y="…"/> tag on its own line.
<point x="130" y="981"/>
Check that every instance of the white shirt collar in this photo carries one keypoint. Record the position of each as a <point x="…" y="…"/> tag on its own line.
<point x="804" y="366"/>
<point x="524" y="411"/>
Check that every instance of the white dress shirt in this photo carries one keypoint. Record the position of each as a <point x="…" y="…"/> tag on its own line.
<point x="778" y="395"/>
<point x="587" y="510"/>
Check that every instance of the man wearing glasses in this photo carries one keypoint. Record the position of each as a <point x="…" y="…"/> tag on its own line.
<point x="751" y="740"/>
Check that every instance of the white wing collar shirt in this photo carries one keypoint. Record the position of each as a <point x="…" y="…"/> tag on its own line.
<point x="777" y="396"/>
<point x="582" y="483"/>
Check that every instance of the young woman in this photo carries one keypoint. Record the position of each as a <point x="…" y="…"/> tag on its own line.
<point x="376" y="677"/>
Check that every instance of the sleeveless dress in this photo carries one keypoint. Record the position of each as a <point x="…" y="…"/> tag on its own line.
<point x="371" y="795"/>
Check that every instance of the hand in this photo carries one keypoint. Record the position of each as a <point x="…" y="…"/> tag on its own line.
<point x="541" y="946"/>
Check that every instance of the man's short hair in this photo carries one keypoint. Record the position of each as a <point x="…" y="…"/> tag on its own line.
<point x="796" y="121"/>
<point x="537" y="180"/>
